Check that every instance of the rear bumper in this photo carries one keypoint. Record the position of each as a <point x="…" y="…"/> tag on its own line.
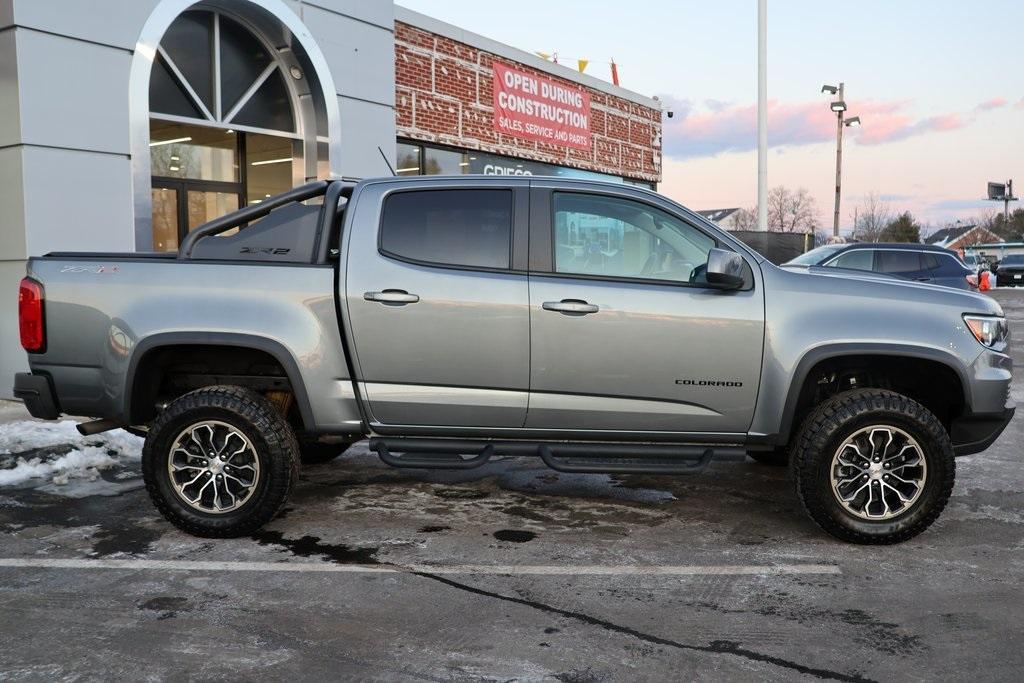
<point x="975" y="433"/>
<point x="37" y="393"/>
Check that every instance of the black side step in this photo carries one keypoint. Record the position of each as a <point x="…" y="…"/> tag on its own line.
<point x="607" y="458"/>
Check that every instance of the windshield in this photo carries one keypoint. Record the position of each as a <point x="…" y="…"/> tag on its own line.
<point x="816" y="256"/>
<point x="1013" y="260"/>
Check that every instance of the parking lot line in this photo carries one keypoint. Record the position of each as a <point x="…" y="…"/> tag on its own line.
<point x="325" y="567"/>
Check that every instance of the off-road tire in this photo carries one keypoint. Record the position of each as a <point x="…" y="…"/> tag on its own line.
<point x="825" y="429"/>
<point x="777" y="457"/>
<point x="316" y="452"/>
<point x="272" y="439"/>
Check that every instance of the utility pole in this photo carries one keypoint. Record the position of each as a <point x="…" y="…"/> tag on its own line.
<point x="762" y="115"/>
<point x="839" y="107"/>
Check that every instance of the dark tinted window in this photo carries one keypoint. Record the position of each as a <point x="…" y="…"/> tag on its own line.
<point x="454" y="227"/>
<point x="270" y="107"/>
<point x="944" y="264"/>
<point x="858" y="259"/>
<point x="898" y="262"/>
<point x="242" y="60"/>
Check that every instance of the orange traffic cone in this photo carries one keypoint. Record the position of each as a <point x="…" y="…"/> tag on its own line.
<point x="983" y="281"/>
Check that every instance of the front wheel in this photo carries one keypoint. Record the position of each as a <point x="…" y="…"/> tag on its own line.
<point x="873" y="466"/>
<point x="220" y="461"/>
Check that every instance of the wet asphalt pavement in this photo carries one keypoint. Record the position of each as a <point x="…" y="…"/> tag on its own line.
<point x="948" y="604"/>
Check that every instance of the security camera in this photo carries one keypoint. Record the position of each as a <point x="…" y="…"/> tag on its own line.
<point x="671" y="113"/>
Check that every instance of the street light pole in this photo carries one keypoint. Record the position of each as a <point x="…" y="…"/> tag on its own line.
<point x="839" y="160"/>
<point x="839" y="107"/>
<point x="762" y="114"/>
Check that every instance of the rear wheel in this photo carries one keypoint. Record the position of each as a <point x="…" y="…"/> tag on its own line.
<point x="220" y="461"/>
<point x="873" y="466"/>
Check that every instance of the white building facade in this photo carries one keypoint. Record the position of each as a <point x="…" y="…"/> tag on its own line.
<point x="123" y="123"/>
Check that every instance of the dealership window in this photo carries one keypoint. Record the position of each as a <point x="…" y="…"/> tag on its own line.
<point x="471" y="228"/>
<point x="596" y="235"/>
<point x="223" y="129"/>
<point x="420" y="159"/>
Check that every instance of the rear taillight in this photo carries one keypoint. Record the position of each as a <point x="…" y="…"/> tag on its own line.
<point x="30" y="316"/>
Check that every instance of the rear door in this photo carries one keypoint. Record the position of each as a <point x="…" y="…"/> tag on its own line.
<point x="947" y="270"/>
<point x="624" y="335"/>
<point x="437" y="303"/>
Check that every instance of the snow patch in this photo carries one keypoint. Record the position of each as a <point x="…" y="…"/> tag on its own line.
<point x="86" y="457"/>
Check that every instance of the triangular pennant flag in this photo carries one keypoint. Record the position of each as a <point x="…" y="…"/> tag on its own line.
<point x="543" y="55"/>
<point x="582" y="64"/>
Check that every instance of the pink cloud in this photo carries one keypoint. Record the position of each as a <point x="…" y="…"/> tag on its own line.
<point x="994" y="103"/>
<point x="696" y="133"/>
<point x="901" y="128"/>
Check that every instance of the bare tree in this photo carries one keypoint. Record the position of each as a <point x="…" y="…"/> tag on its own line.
<point x="791" y="210"/>
<point x="872" y="216"/>
<point x="743" y="219"/>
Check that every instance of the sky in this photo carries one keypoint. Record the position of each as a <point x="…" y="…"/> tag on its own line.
<point x="938" y="85"/>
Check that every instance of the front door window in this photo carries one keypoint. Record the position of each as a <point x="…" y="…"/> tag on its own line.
<point x="612" y="237"/>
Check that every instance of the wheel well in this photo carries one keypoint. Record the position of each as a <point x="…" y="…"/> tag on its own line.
<point x="167" y="372"/>
<point x="931" y="383"/>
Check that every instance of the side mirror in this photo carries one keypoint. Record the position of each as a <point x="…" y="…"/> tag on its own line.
<point x="725" y="269"/>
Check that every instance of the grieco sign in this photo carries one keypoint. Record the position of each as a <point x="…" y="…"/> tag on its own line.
<point x="537" y="108"/>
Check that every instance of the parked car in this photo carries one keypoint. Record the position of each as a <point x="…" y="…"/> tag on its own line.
<point x="599" y="327"/>
<point x="973" y="262"/>
<point x="1011" y="271"/>
<point x="918" y="262"/>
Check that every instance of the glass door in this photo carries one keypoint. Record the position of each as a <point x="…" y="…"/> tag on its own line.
<point x="201" y="173"/>
<point x="166" y="218"/>
<point x="205" y="205"/>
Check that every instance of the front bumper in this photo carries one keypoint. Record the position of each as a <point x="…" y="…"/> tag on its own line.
<point x="38" y="394"/>
<point x="975" y="433"/>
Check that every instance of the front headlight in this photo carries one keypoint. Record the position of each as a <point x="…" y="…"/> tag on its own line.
<point x="990" y="330"/>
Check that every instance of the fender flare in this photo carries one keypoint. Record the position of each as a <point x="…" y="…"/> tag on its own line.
<point x="250" y="341"/>
<point x="814" y="356"/>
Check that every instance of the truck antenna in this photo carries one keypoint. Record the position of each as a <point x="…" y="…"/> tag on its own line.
<point x="385" y="158"/>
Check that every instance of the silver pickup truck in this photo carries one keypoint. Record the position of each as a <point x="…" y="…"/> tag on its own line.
<point x="599" y="327"/>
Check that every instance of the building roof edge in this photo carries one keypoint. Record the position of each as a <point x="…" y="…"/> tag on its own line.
<point x="428" y="23"/>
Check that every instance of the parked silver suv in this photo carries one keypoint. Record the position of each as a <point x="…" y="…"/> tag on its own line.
<point x="599" y="327"/>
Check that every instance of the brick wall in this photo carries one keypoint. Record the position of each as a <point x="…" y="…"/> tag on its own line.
<point x="443" y="94"/>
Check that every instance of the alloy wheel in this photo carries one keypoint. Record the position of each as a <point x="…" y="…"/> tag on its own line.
<point x="878" y="473"/>
<point x="213" y="467"/>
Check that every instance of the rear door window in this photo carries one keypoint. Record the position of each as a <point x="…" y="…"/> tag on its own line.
<point x="463" y="228"/>
<point x="943" y="265"/>
<point x="902" y="263"/>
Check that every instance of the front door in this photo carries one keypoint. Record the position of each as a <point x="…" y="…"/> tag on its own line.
<point x="625" y="333"/>
<point x="438" y="314"/>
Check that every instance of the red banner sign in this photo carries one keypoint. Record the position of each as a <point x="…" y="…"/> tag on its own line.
<point x="537" y="108"/>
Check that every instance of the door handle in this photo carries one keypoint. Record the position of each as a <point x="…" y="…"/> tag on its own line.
<point x="571" y="306"/>
<point x="392" y="296"/>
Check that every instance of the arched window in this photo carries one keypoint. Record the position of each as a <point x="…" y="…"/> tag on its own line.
<point x="224" y="129"/>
